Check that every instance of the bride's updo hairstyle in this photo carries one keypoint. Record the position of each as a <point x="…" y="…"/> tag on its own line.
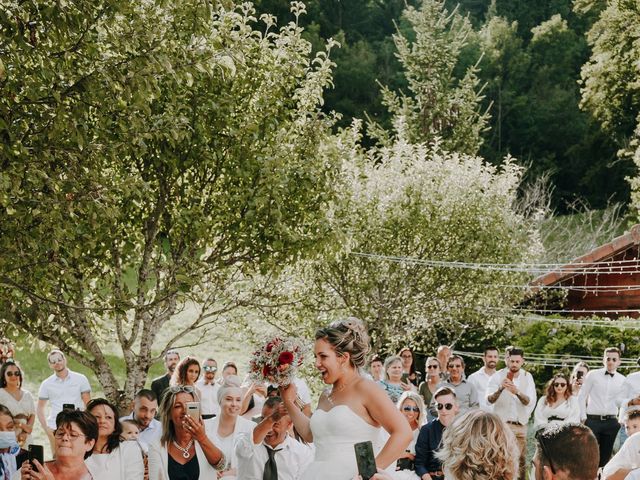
<point x="347" y="336"/>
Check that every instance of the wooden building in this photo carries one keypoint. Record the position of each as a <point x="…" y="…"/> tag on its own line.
<point x="604" y="282"/>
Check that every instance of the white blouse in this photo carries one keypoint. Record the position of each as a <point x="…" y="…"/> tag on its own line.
<point x="567" y="411"/>
<point x="123" y="463"/>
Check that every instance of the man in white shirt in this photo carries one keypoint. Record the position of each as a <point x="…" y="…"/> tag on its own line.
<point x="145" y="408"/>
<point x="600" y="397"/>
<point x="269" y="453"/>
<point x="63" y="387"/>
<point x="512" y="392"/>
<point x="209" y="406"/>
<point x="480" y="379"/>
<point x="625" y="461"/>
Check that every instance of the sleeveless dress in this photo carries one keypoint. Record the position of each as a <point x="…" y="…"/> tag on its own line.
<point x="334" y="434"/>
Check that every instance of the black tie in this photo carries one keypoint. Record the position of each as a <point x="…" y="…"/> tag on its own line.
<point x="270" y="468"/>
<point x="607" y="373"/>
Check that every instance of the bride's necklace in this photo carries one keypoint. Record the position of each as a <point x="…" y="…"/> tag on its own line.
<point x="335" y="390"/>
<point x="185" y="450"/>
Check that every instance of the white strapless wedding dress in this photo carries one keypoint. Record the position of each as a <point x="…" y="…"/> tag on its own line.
<point x="334" y="434"/>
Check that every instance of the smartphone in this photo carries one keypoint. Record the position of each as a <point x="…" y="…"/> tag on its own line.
<point x="68" y="406"/>
<point x="405" y="378"/>
<point x="579" y="374"/>
<point x="36" y="452"/>
<point x="365" y="459"/>
<point x="193" y="410"/>
<point x="510" y="375"/>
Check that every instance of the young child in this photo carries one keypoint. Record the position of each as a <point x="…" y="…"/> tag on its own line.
<point x="633" y="422"/>
<point x="130" y="430"/>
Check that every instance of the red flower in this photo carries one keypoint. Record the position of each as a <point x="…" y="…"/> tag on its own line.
<point x="285" y="358"/>
<point x="266" y="371"/>
<point x="269" y="347"/>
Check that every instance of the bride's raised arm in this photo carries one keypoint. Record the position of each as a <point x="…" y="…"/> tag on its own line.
<point x="382" y="410"/>
<point x="300" y="420"/>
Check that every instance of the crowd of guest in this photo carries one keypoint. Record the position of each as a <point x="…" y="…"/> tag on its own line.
<point x="193" y="424"/>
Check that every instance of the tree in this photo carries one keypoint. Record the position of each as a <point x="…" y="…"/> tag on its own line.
<point x="423" y="203"/>
<point x="440" y="105"/>
<point x="152" y="153"/>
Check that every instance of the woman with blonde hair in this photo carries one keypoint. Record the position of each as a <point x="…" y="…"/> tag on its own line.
<point x="412" y="408"/>
<point x="479" y="446"/>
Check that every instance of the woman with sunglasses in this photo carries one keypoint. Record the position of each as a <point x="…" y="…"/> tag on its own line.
<point x="19" y="401"/>
<point x="429" y="387"/>
<point x="75" y="435"/>
<point x="184" y="450"/>
<point x="558" y="405"/>
<point x="412" y="408"/>
<point x="224" y="429"/>
<point x="111" y="458"/>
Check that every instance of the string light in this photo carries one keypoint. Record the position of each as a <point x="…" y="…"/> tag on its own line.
<point x="550" y="360"/>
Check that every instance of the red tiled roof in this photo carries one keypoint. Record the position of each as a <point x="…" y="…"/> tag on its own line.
<point x="598" y="254"/>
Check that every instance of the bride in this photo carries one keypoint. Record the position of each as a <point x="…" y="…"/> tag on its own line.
<point x="352" y="411"/>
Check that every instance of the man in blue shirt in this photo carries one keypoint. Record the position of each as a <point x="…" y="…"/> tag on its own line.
<point x="427" y="466"/>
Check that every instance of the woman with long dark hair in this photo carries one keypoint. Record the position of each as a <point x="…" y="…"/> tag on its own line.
<point x="112" y="459"/>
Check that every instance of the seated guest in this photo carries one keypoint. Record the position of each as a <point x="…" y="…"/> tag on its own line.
<point x="566" y="451"/>
<point x="466" y="393"/>
<point x="187" y="372"/>
<point x="184" y="451"/>
<point x="409" y="367"/>
<point x="145" y="408"/>
<point x="75" y="435"/>
<point x="376" y="368"/>
<point x="392" y="383"/>
<point x="412" y="408"/>
<point x="270" y="452"/>
<point x="224" y="429"/>
<point x="427" y="465"/>
<point x="479" y="446"/>
<point x="112" y="459"/>
<point x="18" y="400"/>
<point x="558" y="405"/>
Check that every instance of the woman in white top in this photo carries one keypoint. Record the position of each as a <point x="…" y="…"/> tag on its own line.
<point x="111" y="458"/>
<point x="558" y="405"/>
<point x="224" y="429"/>
<point x="412" y="408"/>
<point x="184" y="450"/>
<point x="19" y="402"/>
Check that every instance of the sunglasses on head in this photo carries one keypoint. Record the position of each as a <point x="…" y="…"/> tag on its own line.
<point x="182" y="388"/>
<point x="446" y="406"/>
<point x="410" y="409"/>
<point x="208" y="368"/>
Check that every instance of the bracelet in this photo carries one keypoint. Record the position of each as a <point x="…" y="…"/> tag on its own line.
<point x="221" y="466"/>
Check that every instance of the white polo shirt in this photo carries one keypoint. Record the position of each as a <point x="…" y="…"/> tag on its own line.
<point x="63" y="390"/>
<point x="291" y="456"/>
<point x="208" y="397"/>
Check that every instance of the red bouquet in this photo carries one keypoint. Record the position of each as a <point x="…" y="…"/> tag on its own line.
<point x="277" y="361"/>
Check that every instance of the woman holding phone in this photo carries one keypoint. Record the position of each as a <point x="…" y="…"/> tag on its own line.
<point x="75" y="435"/>
<point x="409" y="366"/>
<point x="353" y="411"/>
<point x="395" y="381"/>
<point x="184" y="450"/>
<point x="112" y="459"/>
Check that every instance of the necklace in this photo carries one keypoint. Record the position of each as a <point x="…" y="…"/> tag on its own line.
<point x="335" y="390"/>
<point x="185" y="450"/>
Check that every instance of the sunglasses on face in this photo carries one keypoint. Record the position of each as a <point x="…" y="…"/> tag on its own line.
<point x="410" y="409"/>
<point x="207" y="368"/>
<point x="14" y="374"/>
<point x="432" y="367"/>
<point x="559" y="384"/>
<point x="446" y="406"/>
